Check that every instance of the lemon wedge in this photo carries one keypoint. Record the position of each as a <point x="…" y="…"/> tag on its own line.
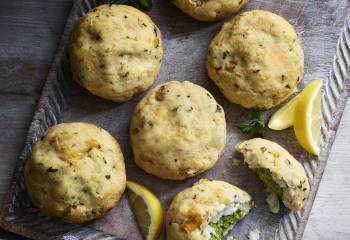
<point x="308" y="117"/>
<point x="147" y="210"/>
<point x="284" y="117"/>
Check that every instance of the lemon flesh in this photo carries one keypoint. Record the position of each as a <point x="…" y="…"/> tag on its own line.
<point x="284" y="117"/>
<point x="147" y="210"/>
<point x="308" y="117"/>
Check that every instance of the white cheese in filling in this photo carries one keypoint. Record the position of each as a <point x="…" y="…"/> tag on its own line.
<point x="228" y="210"/>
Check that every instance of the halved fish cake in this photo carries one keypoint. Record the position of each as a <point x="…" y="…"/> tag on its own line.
<point x="206" y="211"/>
<point x="278" y="169"/>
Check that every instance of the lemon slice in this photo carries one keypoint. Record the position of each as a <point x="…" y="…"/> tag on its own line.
<point x="284" y="117"/>
<point x="147" y="210"/>
<point x="308" y="117"/>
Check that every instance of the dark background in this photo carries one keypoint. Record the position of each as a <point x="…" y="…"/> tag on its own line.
<point x="29" y="34"/>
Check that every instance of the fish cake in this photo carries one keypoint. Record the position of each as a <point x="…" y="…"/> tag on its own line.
<point x="207" y="210"/>
<point x="75" y="172"/>
<point x="278" y="169"/>
<point x="209" y="10"/>
<point x="177" y="131"/>
<point x="116" y="52"/>
<point x="256" y="59"/>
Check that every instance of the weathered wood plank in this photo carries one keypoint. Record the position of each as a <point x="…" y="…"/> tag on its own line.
<point x="29" y="33"/>
<point x="15" y="115"/>
<point x="330" y="216"/>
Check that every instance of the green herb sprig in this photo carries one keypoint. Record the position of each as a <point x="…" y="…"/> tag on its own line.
<point x="140" y="4"/>
<point x="255" y="125"/>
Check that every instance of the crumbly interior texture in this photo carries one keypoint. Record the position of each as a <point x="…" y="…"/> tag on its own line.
<point x="209" y="10"/>
<point x="225" y="223"/>
<point x="192" y="210"/>
<point x="278" y="169"/>
<point x="256" y="59"/>
<point x="75" y="172"/>
<point x="116" y="52"/>
<point x="177" y="130"/>
<point x="265" y="176"/>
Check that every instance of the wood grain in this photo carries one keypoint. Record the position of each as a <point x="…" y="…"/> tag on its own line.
<point x="30" y="31"/>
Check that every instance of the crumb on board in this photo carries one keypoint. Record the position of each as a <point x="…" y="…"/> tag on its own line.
<point x="273" y="202"/>
<point x="236" y="162"/>
<point x="223" y="171"/>
<point x="254" y="234"/>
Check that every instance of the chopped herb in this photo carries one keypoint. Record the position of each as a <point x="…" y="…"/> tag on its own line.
<point x="218" y="108"/>
<point x="140" y="4"/>
<point x="263" y="149"/>
<point x="225" y="54"/>
<point x="125" y="74"/>
<point x="288" y="161"/>
<point x="255" y="125"/>
<point x="108" y="176"/>
<point x="190" y="109"/>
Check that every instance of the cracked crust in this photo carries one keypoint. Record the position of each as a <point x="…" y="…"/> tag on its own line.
<point x="177" y="131"/>
<point x="116" y="52"/>
<point x="285" y="169"/>
<point x="256" y="59"/>
<point x="75" y="172"/>
<point x="209" y="10"/>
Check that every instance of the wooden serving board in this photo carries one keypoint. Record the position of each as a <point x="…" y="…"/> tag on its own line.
<point x="319" y="25"/>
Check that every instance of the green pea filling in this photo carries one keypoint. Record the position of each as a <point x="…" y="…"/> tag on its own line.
<point x="224" y="223"/>
<point x="265" y="176"/>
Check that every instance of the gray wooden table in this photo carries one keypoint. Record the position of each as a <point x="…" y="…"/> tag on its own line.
<point x="29" y="33"/>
